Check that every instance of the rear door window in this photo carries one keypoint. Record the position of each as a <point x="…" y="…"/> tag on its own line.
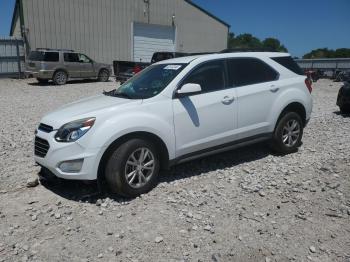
<point x="210" y="76"/>
<point x="249" y="71"/>
<point x="288" y="63"/>
<point x="44" y="56"/>
<point x="71" y="57"/>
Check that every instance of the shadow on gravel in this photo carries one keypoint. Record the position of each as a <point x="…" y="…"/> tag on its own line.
<point x="217" y="162"/>
<point x="90" y="193"/>
<point x="345" y="115"/>
<point x="68" y="83"/>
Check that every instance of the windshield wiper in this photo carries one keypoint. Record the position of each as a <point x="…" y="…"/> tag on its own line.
<point x="115" y="94"/>
<point x="108" y="93"/>
<point x="122" y="95"/>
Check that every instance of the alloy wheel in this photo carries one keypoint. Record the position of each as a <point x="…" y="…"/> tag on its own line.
<point x="139" y="167"/>
<point x="291" y="133"/>
<point x="60" y="78"/>
<point x="103" y="76"/>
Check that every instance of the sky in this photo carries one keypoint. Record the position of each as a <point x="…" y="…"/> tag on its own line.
<point x="301" y="25"/>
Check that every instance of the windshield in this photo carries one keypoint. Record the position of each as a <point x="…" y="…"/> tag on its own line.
<point x="149" y="82"/>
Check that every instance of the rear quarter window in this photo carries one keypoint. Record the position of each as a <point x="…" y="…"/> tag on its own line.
<point x="289" y="63"/>
<point x="249" y="71"/>
<point x="44" y="56"/>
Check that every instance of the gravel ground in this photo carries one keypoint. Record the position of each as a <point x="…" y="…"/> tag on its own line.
<point x="244" y="205"/>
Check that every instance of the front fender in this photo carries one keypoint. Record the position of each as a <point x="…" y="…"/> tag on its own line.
<point x="157" y="120"/>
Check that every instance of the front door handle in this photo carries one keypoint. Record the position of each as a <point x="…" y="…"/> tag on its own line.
<point x="227" y="100"/>
<point x="274" y="89"/>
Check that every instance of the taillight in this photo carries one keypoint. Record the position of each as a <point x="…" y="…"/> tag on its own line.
<point x="136" y="69"/>
<point x="308" y="84"/>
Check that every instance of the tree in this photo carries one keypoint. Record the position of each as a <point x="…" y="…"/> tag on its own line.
<point x="328" y="53"/>
<point x="274" y="44"/>
<point x="249" y="41"/>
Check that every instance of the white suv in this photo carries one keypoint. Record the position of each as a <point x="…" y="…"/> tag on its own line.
<point x="174" y="111"/>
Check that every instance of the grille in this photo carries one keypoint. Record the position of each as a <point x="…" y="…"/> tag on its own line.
<point x="45" y="128"/>
<point x="41" y="146"/>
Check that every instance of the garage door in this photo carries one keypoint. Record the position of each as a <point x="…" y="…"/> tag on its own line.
<point x="152" y="38"/>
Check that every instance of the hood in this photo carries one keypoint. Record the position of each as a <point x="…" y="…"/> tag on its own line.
<point x="87" y="107"/>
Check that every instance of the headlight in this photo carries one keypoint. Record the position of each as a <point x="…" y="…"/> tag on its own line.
<point x="72" y="131"/>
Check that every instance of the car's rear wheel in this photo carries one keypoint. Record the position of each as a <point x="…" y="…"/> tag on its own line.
<point x="132" y="169"/>
<point x="60" y="77"/>
<point x="42" y="81"/>
<point x="288" y="133"/>
<point x="103" y="75"/>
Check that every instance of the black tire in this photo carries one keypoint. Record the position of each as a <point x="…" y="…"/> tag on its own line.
<point x="103" y="75"/>
<point x="42" y="81"/>
<point x="118" y="166"/>
<point x="290" y="145"/>
<point x="60" y="77"/>
<point x="344" y="109"/>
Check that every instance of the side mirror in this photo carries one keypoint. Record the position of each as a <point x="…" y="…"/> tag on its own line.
<point x="188" y="89"/>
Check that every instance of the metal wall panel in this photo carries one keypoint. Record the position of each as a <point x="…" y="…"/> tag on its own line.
<point x="103" y="28"/>
<point x="11" y="57"/>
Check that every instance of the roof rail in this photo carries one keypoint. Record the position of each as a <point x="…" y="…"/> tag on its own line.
<point x="202" y="53"/>
<point x="235" y="50"/>
<point x="54" y="49"/>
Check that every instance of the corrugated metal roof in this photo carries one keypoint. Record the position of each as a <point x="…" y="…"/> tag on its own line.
<point x="324" y="63"/>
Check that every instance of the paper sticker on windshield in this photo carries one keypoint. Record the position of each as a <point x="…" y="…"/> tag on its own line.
<point x="172" y="67"/>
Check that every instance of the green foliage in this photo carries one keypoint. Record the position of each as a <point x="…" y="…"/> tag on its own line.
<point x="274" y="44"/>
<point x="328" y="53"/>
<point x="250" y="41"/>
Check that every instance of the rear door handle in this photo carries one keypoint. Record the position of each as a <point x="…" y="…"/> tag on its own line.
<point x="227" y="100"/>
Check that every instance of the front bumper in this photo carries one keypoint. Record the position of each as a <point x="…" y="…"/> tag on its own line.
<point x="43" y="74"/>
<point x="61" y="152"/>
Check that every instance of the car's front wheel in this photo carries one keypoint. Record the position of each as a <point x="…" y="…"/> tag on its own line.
<point x="103" y="75"/>
<point x="288" y="133"/>
<point x="133" y="168"/>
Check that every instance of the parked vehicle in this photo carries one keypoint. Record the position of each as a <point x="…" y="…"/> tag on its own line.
<point x="161" y="56"/>
<point x="313" y="75"/>
<point x="342" y="76"/>
<point x="174" y="111"/>
<point x="343" y="100"/>
<point x="60" y="65"/>
<point x="123" y="70"/>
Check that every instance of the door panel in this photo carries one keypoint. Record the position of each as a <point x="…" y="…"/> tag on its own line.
<point x="257" y="89"/>
<point x="87" y="67"/>
<point x="72" y="64"/>
<point x="204" y="120"/>
<point x="254" y="106"/>
<point x="207" y="119"/>
<point x="87" y="70"/>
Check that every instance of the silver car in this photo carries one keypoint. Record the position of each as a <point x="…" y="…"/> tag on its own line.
<point x="60" y="65"/>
